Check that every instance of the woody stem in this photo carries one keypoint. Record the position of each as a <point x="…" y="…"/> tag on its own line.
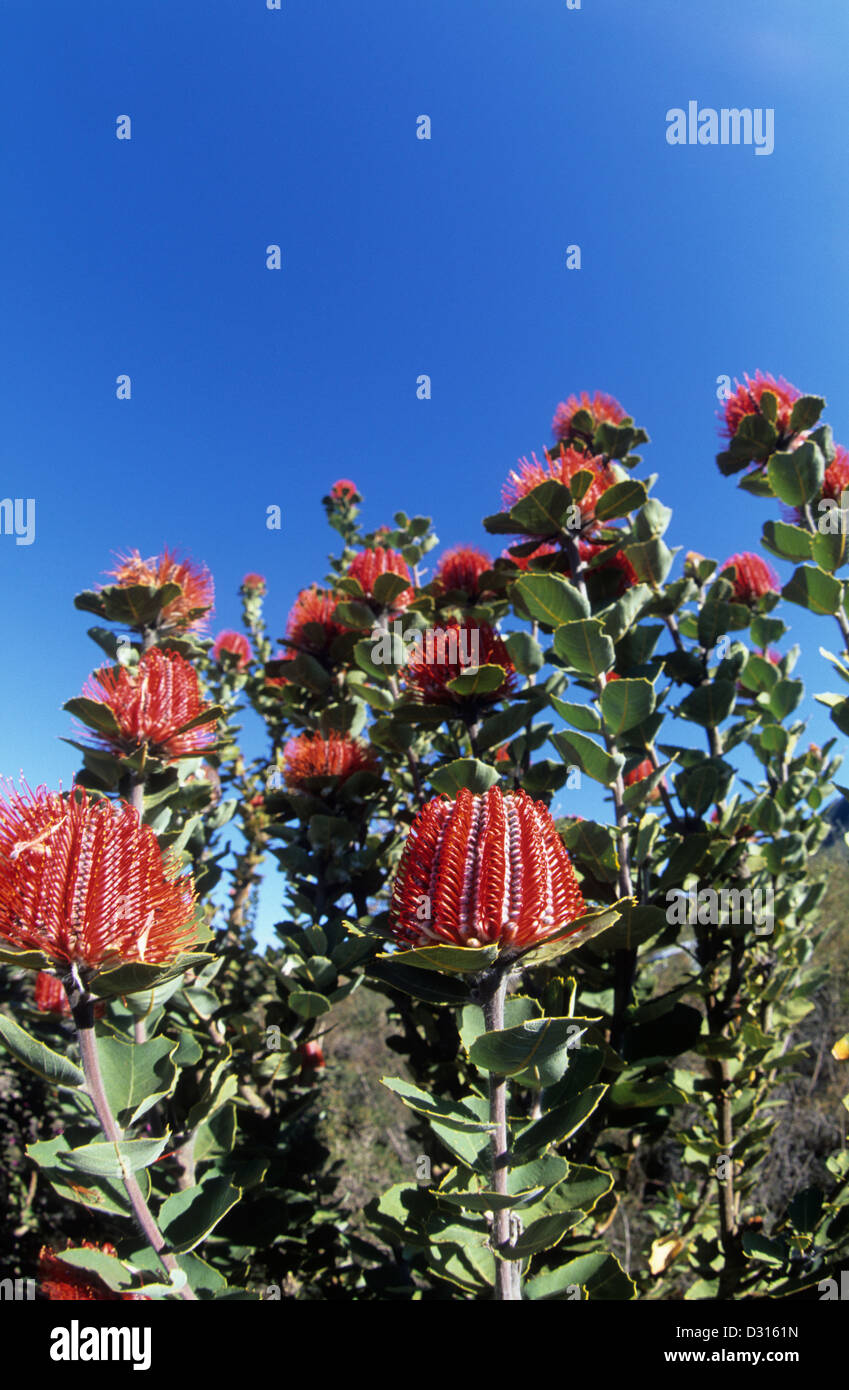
<point x="82" y="1007"/>
<point x="493" y="991"/>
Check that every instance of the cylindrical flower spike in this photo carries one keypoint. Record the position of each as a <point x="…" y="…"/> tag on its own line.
<point x="600" y="406"/>
<point x="751" y="576"/>
<point x="188" y="611"/>
<point x="746" y="400"/>
<point x="311" y="755"/>
<point x="561" y="468"/>
<point x="151" y="703"/>
<point x="461" y="568"/>
<point x="310" y="627"/>
<point x="236" y="643"/>
<point x="484" y="869"/>
<point x="85" y="883"/>
<point x="368" y="564"/>
<point x="457" y="649"/>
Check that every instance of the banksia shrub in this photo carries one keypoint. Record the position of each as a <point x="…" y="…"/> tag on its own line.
<point x="484" y="869"/>
<point x="151" y="705"/>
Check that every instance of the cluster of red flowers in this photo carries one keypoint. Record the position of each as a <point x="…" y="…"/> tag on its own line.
<point x="751" y="576"/>
<point x="368" y="564"/>
<point x="561" y="467"/>
<point x="461" y="569"/>
<point x="150" y="704"/>
<point x="311" y="627"/>
<point x="747" y="398"/>
<point x="236" y="644"/>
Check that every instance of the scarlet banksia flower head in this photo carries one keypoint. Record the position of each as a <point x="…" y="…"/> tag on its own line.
<point x="599" y="405"/>
<point x="151" y="703"/>
<point x="85" y="883"/>
<point x="310" y="627"/>
<point x="746" y="400"/>
<point x="616" y="564"/>
<point x="368" y="564"/>
<point x="62" y="1282"/>
<point x="312" y="755"/>
<point x="50" y="997"/>
<point x="640" y="773"/>
<point x="254" y="583"/>
<point x="461" y="568"/>
<point x="457" y="649"/>
<point x="311" y="1055"/>
<point x="236" y="643"/>
<point x="752" y="577"/>
<point x="561" y="467"/>
<point x="188" y="611"/>
<point x="343" y="490"/>
<point x="484" y="869"/>
<point x="836" y="479"/>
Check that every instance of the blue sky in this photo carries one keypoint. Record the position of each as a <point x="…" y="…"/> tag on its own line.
<point x="447" y="257"/>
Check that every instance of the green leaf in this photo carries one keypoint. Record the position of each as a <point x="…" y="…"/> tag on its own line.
<point x="598" y="1274"/>
<point x="653" y="1092"/>
<point x="354" y="615"/>
<point x="483" y="680"/>
<point x="585" y="717"/>
<point x="585" y="646"/>
<point x="813" y="589"/>
<point x="106" y="1267"/>
<point x="620" y="499"/>
<point x="805" y="413"/>
<point x="461" y="960"/>
<point x="577" y="750"/>
<point x="307" y="1004"/>
<point x="558" y="1125"/>
<point x="136" y="1075"/>
<point x="620" y="616"/>
<point x="463" y="772"/>
<point x="49" y="1065"/>
<point x="758" y="1247"/>
<point x="525" y="652"/>
<point x="625" y="703"/>
<point x="796" y="477"/>
<point x="788" y="542"/>
<point x="543" y="512"/>
<point x="454" y="1115"/>
<point x="505" y="723"/>
<point x="805" y="1209"/>
<point x="784" y="697"/>
<point x="830" y="549"/>
<point x="652" y="560"/>
<point x="537" y="1049"/>
<point x="105" y="1159"/>
<point x="387" y="587"/>
<point x="710" y="703"/>
<point x="94" y="714"/>
<point x="552" y="600"/>
<point x="187" y="1218"/>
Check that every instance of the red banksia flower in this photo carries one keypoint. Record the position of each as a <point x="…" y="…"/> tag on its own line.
<point x="64" y="1282"/>
<point x="616" y="564"/>
<point x="312" y="755"/>
<point x="457" y="649"/>
<point x="254" y="583"/>
<point x="746" y="400"/>
<point x="311" y="1055"/>
<point x="150" y="704"/>
<point x="85" y="882"/>
<point x="483" y="869"/>
<point x="236" y="643"/>
<point x="461" y="568"/>
<point x="600" y="406"/>
<point x="368" y="564"/>
<point x="639" y="773"/>
<point x="561" y="468"/>
<point x="752" y="577"/>
<point x="836" y="479"/>
<point x="50" y="996"/>
<point x="311" y="627"/>
<point x="187" y="612"/>
<point x="344" y="489"/>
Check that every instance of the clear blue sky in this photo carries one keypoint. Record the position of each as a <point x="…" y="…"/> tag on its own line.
<point x="400" y="256"/>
